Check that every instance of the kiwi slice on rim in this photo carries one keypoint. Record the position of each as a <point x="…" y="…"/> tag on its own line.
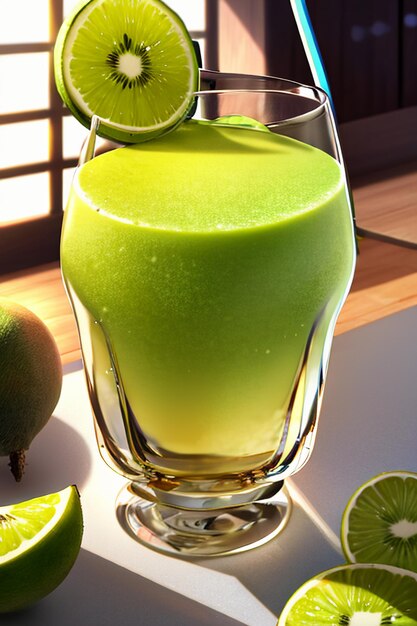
<point x="130" y="62"/>
<point x="379" y="524"/>
<point x="355" y="595"/>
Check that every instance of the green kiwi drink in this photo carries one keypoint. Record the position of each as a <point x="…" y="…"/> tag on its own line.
<point x="204" y="268"/>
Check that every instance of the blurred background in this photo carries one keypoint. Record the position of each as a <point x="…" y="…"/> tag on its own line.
<point x="369" y="49"/>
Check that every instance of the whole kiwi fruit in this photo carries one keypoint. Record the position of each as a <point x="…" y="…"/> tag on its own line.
<point x="30" y="380"/>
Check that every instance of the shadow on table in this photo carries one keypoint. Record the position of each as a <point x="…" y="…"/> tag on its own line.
<point x="274" y="571"/>
<point x="50" y="464"/>
<point x="99" y="593"/>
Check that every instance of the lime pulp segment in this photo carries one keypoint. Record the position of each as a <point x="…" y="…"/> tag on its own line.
<point x="379" y="524"/>
<point x="355" y="595"/>
<point x="130" y="63"/>
<point x="23" y="525"/>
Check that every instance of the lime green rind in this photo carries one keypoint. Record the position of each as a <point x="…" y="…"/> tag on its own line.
<point x="365" y="530"/>
<point x="28" y="577"/>
<point x="106" y="129"/>
<point x="332" y="597"/>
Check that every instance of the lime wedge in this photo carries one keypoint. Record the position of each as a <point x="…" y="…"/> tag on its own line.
<point x="355" y="595"/>
<point x="131" y="63"/>
<point x="379" y="524"/>
<point x="39" y="542"/>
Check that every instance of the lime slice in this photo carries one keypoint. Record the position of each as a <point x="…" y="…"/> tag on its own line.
<point x="355" y="595"/>
<point x="39" y="542"/>
<point x="379" y="524"/>
<point x="131" y="63"/>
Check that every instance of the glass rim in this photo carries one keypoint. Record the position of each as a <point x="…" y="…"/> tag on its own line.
<point x="301" y="91"/>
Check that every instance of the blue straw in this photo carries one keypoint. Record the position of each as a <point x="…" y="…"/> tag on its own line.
<point x="315" y="61"/>
<point x="310" y="45"/>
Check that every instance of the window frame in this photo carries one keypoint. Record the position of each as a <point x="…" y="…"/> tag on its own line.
<point x="35" y="241"/>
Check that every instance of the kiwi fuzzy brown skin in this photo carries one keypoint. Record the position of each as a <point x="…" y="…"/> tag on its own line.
<point x="30" y="381"/>
<point x="105" y="129"/>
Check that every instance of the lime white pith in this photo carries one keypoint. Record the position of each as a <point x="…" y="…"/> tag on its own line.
<point x="23" y="525"/>
<point x="379" y="523"/>
<point x="358" y="594"/>
<point x="130" y="63"/>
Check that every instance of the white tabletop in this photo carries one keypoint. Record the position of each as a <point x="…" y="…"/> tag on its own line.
<point x="368" y="425"/>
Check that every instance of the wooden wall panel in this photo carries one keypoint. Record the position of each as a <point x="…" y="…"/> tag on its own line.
<point x="370" y="52"/>
<point x="241" y="28"/>
<point x="359" y="41"/>
<point x="29" y="242"/>
<point x="284" y="51"/>
<point x="328" y="18"/>
<point x="409" y="54"/>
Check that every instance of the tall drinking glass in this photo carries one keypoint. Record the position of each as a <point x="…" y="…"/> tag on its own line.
<point x="206" y="270"/>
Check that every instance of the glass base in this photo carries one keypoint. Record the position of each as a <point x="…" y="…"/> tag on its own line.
<point x="193" y="533"/>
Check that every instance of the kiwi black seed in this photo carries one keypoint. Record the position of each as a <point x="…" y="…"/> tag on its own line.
<point x="139" y="50"/>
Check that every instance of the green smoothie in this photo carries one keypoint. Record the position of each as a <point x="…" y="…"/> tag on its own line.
<point x="202" y="262"/>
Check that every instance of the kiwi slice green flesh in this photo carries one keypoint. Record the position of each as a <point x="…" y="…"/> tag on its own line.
<point x="130" y="63"/>
<point x="355" y="595"/>
<point x="379" y="524"/>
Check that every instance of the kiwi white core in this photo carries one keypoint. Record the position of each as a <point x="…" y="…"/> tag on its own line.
<point x="364" y="618"/>
<point x="130" y="65"/>
<point x="404" y="529"/>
